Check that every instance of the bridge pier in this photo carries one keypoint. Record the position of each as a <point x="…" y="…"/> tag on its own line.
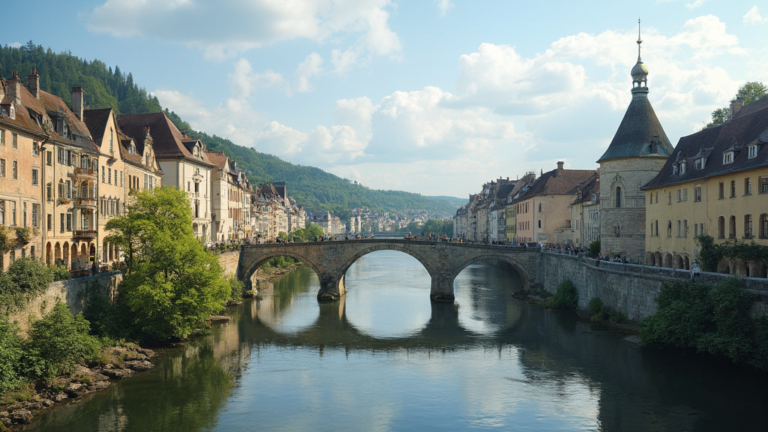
<point x="332" y="288"/>
<point x="442" y="289"/>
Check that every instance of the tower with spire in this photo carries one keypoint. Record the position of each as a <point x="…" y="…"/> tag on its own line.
<point x="636" y="154"/>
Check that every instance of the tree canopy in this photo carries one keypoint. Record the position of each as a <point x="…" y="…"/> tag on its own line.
<point x="172" y="282"/>
<point x="748" y="93"/>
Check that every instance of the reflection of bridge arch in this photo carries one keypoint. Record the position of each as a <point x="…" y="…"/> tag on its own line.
<point x="442" y="260"/>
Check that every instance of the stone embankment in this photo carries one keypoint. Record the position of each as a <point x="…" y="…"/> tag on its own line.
<point x="116" y="363"/>
<point x="628" y="288"/>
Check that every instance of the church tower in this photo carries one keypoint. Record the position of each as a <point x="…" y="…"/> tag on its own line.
<point x="637" y="153"/>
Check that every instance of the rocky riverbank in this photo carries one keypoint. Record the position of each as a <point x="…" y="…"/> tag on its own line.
<point x="18" y="407"/>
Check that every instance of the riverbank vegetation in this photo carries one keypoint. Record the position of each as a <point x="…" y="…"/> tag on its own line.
<point x="600" y="313"/>
<point x="25" y="278"/>
<point x="566" y="297"/>
<point x="172" y="283"/>
<point x="712" y="319"/>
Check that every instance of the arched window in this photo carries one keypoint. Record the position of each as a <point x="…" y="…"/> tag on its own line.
<point x="721" y="227"/>
<point x="618" y="197"/>
<point x="764" y="226"/>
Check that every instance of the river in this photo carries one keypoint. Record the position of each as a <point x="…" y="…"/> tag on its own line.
<point x="386" y="359"/>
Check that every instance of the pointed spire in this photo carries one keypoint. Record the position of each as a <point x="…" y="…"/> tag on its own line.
<point x="639" y="41"/>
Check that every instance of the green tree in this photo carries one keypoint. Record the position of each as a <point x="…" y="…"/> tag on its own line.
<point x="10" y="356"/>
<point x="173" y="283"/>
<point x="748" y="93"/>
<point x="25" y="278"/>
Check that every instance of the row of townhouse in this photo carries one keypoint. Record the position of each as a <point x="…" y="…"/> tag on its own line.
<point x="275" y="212"/>
<point x="65" y="171"/>
<point x="648" y="201"/>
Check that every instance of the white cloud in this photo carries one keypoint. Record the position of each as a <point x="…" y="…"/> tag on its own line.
<point x="753" y="17"/>
<point x="243" y="81"/>
<point x="444" y="6"/>
<point x="307" y="69"/>
<point x="15" y="44"/>
<point x="226" y="27"/>
<point x="506" y="115"/>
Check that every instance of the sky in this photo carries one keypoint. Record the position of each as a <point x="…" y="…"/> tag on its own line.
<point x="428" y="96"/>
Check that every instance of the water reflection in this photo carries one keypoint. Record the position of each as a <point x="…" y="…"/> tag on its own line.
<point x="287" y="363"/>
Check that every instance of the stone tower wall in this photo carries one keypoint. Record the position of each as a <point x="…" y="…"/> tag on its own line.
<point x="622" y="230"/>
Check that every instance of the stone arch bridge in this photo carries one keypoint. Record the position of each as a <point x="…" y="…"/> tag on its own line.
<point x="442" y="260"/>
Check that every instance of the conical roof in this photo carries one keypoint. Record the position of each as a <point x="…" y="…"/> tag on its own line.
<point x="639" y="129"/>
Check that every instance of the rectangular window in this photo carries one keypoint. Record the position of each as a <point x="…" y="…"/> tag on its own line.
<point x="69" y="221"/>
<point x="121" y="179"/>
<point x="752" y="151"/>
<point x="109" y="176"/>
<point x="24" y="214"/>
<point x="2" y="167"/>
<point x="697" y="194"/>
<point x="685" y="228"/>
<point x="13" y="213"/>
<point x="2" y="136"/>
<point x="696" y="230"/>
<point x="61" y="223"/>
<point x="763" y="184"/>
<point x="35" y="148"/>
<point x="35" y="214"/>
<point x="34" y="177"/>
<point x="50" y="222"/>
<point x="722" y="190"/>
<point x="747" y="186"/>
<point x="733" y="188"/>
<point x="15" y="171"/>
<point x="48" y="158"/>
<point x="679" y="228"/>
<point x="103" y="176"/>
<point x="728" y="158"/>
<point x="68" y="188"/>
<point x="15" y="141"/>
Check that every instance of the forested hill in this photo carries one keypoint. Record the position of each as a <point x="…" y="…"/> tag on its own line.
<point x="108" y="87"/>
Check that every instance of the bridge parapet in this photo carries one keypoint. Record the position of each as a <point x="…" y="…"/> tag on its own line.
<point x="442" y="260"/>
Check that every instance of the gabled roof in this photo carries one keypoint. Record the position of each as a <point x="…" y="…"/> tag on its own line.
<point x="637" y="130"/>
<point x="96" y="121"/>
<point x="167" y="140"/>
<point x="557" y="182"/>
<point x="217" y="158"/>
<point x="749" y="126"/>
<point x="587" y="188"/>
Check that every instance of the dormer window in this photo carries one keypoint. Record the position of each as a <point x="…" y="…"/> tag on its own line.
<point x="12" y="112"/>
<point x="65" y="129"/>
<point x="727" y="158"/>
<point x="753" y="151"/>
<point x="682" y="167"/>
<point x="132" y="149"/>
<point x="674" y="169"/>
<point x="700" y="163"/>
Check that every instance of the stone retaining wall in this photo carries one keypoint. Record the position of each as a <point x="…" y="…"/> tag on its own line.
<point x="228" y="261"/>
<point x="70" y="292"/>
<point x="627" y="288"/>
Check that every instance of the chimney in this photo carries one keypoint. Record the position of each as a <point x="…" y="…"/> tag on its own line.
<point x="14" y="88"/>
<point x="77" y="102"/>
<point x="33" y="82"/>
<point x="560" y="165"/>
<point x="736" y="105"/>
<point x="184" y="133"/>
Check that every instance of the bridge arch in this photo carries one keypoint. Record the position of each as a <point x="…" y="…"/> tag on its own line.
<point x="490" y="259"/>
<point x="386" y="247"/>
<point x="252" y="267"/>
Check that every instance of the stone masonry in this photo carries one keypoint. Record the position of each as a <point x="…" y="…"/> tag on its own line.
<point x="444" y="261"/>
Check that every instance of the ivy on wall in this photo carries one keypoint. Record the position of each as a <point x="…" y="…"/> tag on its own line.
<point x="710" y="253"/>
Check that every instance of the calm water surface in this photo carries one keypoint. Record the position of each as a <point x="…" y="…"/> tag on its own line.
<point x="385" y="358"/>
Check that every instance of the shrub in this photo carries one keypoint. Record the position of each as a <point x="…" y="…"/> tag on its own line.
<point x="58" y="342"/>
<point x="22" y="393"/>
<point x="24" y="279"/>
<point x="236" y="288"/>
<point x="60" y="272"/>
<point x="596" y="309"/>
<point x="10" y="355"/>
<point x="594" y="248"/>
<point x="709" y="319"/>
<point x="566" y="297"/>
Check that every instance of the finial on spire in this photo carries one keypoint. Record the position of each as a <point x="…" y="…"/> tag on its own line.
<point x="639" y="39"/>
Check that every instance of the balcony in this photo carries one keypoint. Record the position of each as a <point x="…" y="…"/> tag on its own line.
<point x="86" y="203"/>
<point x="84" y="173"/>
<point x="84" y="234"/>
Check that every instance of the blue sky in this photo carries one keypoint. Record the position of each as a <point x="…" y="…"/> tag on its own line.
<point x="434" y="97"/>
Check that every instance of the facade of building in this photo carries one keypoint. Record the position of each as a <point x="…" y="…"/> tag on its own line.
<point x="543" y="210"/>
<point x="585" y="213"/>
<point x="182" y="160"/>
<point x="635" y="156"/>
<point x="715" y="183"/>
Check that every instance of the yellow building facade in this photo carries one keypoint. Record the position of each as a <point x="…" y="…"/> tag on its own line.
<point x="716" y="184"/>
